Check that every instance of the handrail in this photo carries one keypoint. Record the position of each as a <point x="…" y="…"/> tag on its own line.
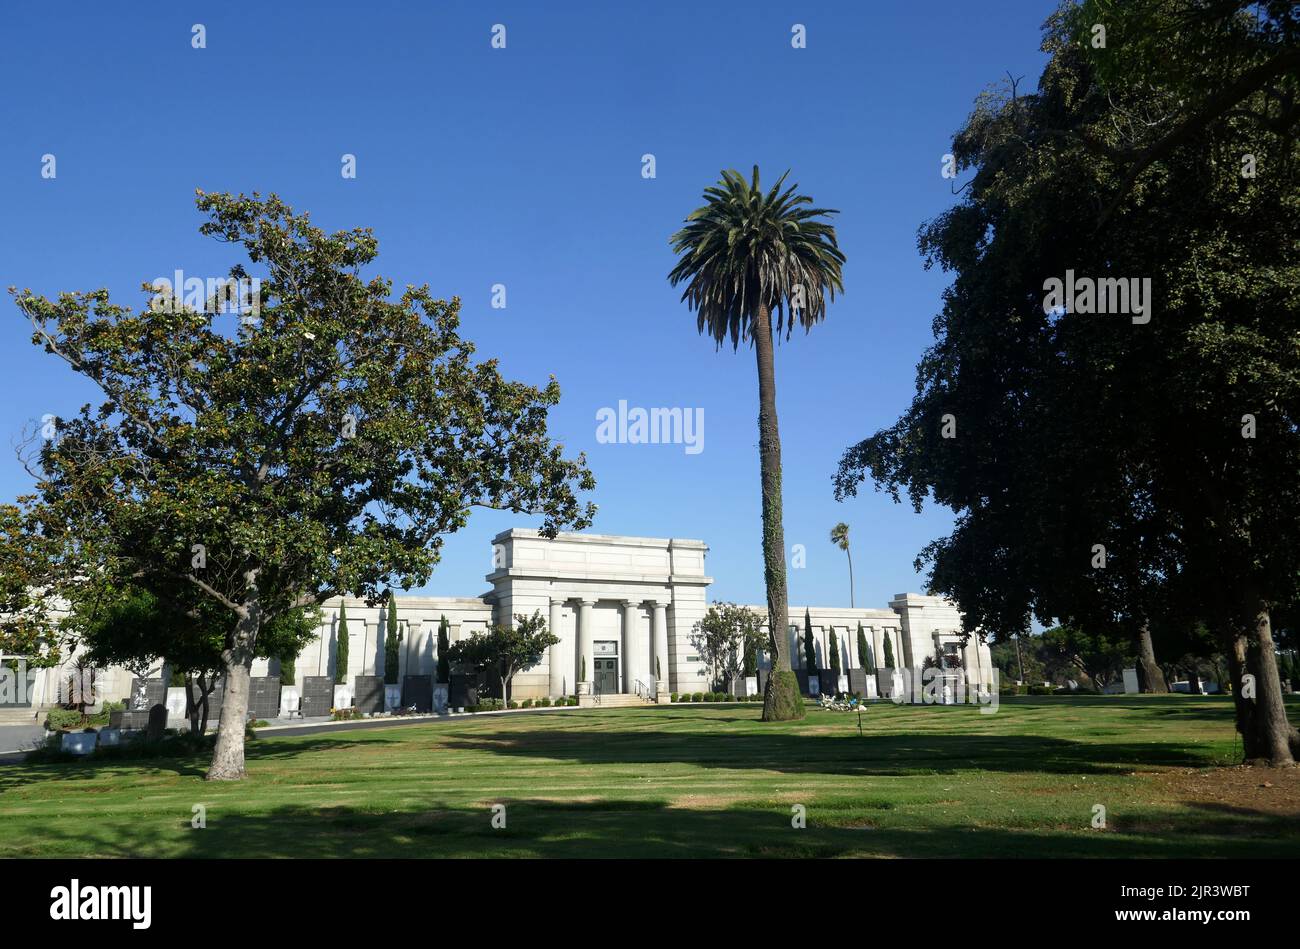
<point x="643" y="691"/>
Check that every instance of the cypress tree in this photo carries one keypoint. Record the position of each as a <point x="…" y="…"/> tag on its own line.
<point x="444" y="644"/>
<point x="392" y="662"/>
<point x="863" y="649"/>
<point x="889" y="650"/>
<point x="341" y="654"/>
<point x="809" y="653"/>
<point x="835" y="657"/>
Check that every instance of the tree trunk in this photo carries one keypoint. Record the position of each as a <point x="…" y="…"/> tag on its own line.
<point x="1153" y="680"/>
<point x="1235" y="649"/>
<point x="1275" y="736"/>
<point x="781" y="701"/>
<point x="228" y="757"/>
<point x="849" y="554"/>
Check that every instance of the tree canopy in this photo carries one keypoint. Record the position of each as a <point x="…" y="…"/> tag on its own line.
<point x="320" y="441"/>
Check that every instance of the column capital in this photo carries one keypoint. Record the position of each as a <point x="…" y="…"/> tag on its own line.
<point x="630" y="604"/>
<point x="583" y="601"/>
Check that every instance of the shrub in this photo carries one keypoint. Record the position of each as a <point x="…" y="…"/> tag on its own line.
<point x="731" y="697"/>
<point x="527" y="703"/>
<point x="63" y="719"/>
<point x="1041" y="690"/>
<point x="512" y="704"/>
<point x="708" y="696"/>
<point x="544" y="702"/>
<point x="697" y="697"/>
<point x="672" y="696"/>
<point x="345" y="714"/>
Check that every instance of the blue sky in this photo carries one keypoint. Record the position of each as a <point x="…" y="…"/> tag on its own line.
<point x="522" y="166"/>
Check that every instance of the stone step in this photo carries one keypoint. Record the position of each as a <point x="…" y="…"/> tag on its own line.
<point x="21" y="716"/>
<point x="617" y="700"/>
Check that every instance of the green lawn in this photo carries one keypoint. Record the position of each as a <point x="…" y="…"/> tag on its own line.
<point x="694" y="781"/>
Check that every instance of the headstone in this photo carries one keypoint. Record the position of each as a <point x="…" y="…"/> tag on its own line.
<point x="176" y="702"/>
<point x="1131" y="682"/>
<point x="146" y="693"/>
<point x="317" y="696"/>
<point x="369" y="695"/>
<point x="418" y="691"/>
<point x="857" y="682"/>
<point x="157" y="722"/>
<point x="440" y="696"/>
<point x="263" y="697"/>
<point x="751" y="685"/>
<point x="814" y="685"/>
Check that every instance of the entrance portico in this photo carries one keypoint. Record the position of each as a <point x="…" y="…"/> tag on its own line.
<point x="623" y="608"/>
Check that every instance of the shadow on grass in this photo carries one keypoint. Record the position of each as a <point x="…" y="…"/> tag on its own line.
<point x="847" y="754"/>
<point x="22" y="773"/>
<point x="640" y="829"/>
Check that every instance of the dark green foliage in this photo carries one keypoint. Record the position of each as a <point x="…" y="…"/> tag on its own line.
<point x="809" y="649"/>
<point x="341" y="654"/>
<point x="392" y="642"/>
<point x="864" y="650"/>
<point x="444" y="645"/>
<point x="889" y="650"/>
<point x="835" y="656"/>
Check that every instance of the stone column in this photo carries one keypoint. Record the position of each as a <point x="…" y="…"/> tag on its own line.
<point x="584" y="643"/>
<point x="632" y="647"/>
<point x="659" y="630"/>
<point x="556" y="683"/>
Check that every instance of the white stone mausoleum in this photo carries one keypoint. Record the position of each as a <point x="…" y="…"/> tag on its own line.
<point x="628" y="605"/>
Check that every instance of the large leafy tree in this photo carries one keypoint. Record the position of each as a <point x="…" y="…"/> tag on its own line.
<point x="727" y="638"/>
<point x="120" y="624"/>
<point x="29" y="564"/>
<point x="506" y="650"/>
<point x="750" y="258"/>
<point x="1105" y="469"/>
<point x="323" y="445"/>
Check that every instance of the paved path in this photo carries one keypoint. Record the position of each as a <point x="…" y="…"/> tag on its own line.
<point x="20" y="737"/>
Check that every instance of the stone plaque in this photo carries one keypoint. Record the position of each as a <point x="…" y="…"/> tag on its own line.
<point x="418" y="691"/>
<point x="264" y="697"/>
<point x="317" y="696"/>
<point x="369" y="696"/>
<point x="154" y="693"/>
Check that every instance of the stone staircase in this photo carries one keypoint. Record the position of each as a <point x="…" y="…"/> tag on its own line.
<point x="613" y="700"/>
<point x="21" y="716"/>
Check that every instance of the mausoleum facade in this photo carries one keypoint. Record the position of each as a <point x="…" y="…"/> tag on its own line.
<point x="627" y="605"/>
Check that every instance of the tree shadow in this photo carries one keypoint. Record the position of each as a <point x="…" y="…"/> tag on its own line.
<point x="649" y="830"/>
<point x="20" y="774"/>
<point x="869" y="755"/>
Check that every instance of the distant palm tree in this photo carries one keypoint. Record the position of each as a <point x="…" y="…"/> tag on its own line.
<point x="744" y="256"/>
<point x="840" y="538"/>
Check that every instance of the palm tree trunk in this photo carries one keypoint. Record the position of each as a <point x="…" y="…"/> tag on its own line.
<point x="848" y="553"/>
<point x="781" y="702"/>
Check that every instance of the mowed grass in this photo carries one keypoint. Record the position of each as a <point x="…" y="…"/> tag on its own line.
<point x="694" y="781"/>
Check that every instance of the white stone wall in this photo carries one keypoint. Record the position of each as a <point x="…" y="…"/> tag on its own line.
<point x="623" y="578"/>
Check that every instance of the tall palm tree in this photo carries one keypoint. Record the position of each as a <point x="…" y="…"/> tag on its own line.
<point x="745" y="256"/>
<point x="840" y="538"/>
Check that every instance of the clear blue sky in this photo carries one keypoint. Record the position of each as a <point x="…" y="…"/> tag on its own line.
<point x="522" y="166"/>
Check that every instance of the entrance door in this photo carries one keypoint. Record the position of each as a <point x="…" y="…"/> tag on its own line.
<point x="607" y="676"/>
